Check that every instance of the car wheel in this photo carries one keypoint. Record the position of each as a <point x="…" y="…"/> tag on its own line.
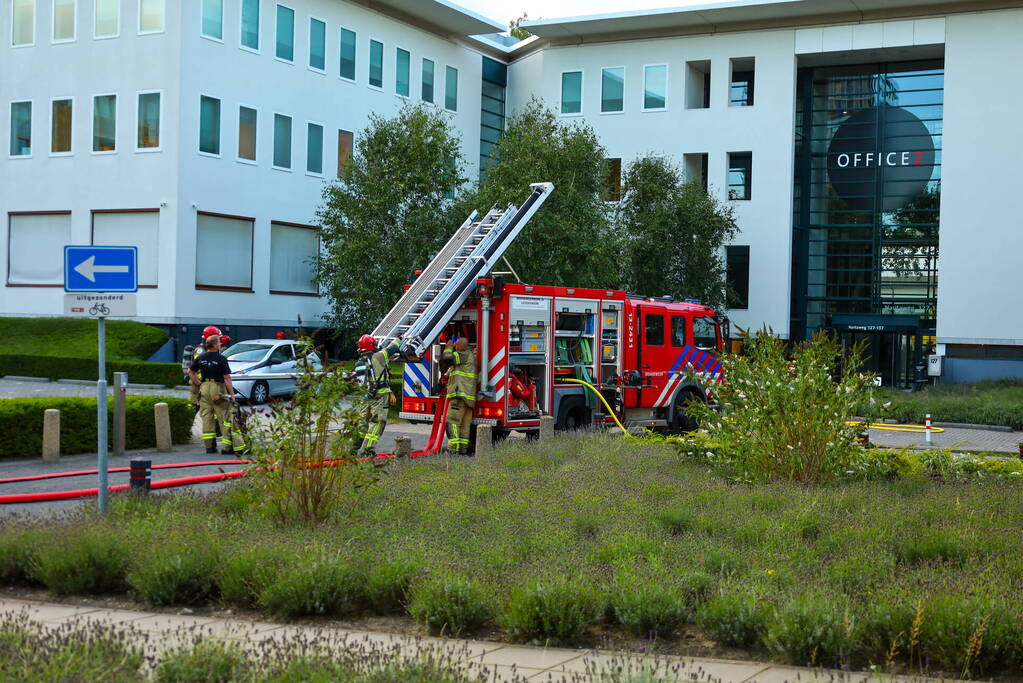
<point x="260" y="393"/>
<point x="681" y="422"/>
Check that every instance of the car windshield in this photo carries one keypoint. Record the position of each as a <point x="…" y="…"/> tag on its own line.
<point x="246" y="352"/>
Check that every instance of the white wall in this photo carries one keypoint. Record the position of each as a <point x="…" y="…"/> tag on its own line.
<point x="765" y="129"/>
<point x="979" y="273"/>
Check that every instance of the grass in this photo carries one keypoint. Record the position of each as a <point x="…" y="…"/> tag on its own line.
<point x="796" y="573"/>
<point x="77" y="338"/>
<point x="989" y="402"/>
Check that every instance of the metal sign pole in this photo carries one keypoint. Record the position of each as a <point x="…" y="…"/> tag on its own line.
<point x="101" y="417"/>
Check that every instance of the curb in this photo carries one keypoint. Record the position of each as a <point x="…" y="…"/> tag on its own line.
<point x="967" y="425"/>
<point x="145" y="386"/>
<point x="90" y="382"/>
<point x="20" y="378"/>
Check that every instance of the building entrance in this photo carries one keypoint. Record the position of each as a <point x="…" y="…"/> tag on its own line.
<point x="892" y="345"/>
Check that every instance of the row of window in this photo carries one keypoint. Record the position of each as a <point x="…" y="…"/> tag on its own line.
<point x="106" y="20"/>
<point x="655" y="87"/>
<point x="704" y="331"/>
<point x="740" y="175"/>
<point x="284" y="49"/>
<point x="104" y="124"/>
<point x="35" y="242"/>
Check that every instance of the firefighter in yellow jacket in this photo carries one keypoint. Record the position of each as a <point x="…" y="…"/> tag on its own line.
<point x="374" y="367"/>
<point x="461" y="394"/>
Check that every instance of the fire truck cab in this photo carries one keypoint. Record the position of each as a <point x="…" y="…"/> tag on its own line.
<point x="646" y="356"/>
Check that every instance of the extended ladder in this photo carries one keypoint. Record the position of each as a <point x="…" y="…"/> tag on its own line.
<point x="427" y="306"/>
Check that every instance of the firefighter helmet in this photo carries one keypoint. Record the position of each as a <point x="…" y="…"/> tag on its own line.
<point x="367" y="342"/>
<point x="209" y="331"/>
<point x="224" y="340"/>
<point x="280" y="334"/>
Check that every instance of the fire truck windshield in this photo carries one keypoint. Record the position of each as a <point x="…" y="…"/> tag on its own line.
<point x="705" y="332"/>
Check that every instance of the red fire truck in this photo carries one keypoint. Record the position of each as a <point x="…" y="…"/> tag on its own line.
<point x="646" y="356"/>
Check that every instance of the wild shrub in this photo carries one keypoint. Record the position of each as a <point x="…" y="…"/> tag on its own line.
<point x="558" y="611"/>
<point x="855" y="574"/>
<point x="784" y="418"/>
<point x="18" y="547"/>
<point x="246" y="573"/>
<point x="890" y="631"/>
<point x="317" y="583"/>
<point x="177" y="574"/>
<point x="734" y="619"/>
<point x="389" y="584"/>
<point x="930" y="545"/>
<point x="587" y="525"/>
<point x="449" y="604"/>
<point x="649" y="607"/>
<point x="208" y="661"/>
<point x="812" y="630"/>
<point x="971" y="635"/>
<point x="89" y="560"/>
<point x="676" y="521"/>
<point x="723" y="562"/>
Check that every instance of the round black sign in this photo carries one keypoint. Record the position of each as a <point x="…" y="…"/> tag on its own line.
<point x="894" y="165"/>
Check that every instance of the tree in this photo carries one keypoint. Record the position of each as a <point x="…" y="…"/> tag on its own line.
<point x="515" y="29"/>
<point x="388" y="213"/>
<point x="674" y="233"/>
<point x="570" y="240"/>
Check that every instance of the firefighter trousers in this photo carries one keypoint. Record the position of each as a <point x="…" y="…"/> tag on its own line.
<point x="376" y="422"/>
<point x="215" y="409"/>
<point x="459" y="425"/>
<point x="193" y="398"/>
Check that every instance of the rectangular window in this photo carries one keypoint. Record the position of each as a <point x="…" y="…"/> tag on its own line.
<point x="345" y="144"/>
<point x="698" y="85"/>
<point x="21" y="129"/>
<point x="134" y="229"/>
<point x="376" y="64"/>
<point x="23" y="24"/>
<point x="213" y="19"/>
<point x="104" y="123"/>
<point x="740" y="92"/>
<point x="572" y="92"/>
<point x="107" y="22"/>
<point x="655" y="87"/>
<point x="402" y="76"/>
<point x="151" y="16"/>
<point x="427" y="80"/>
<point x="705" y="332"/>
<point x="317" y="45"/>
<point x="61" y="116"/>
<point x="451" y="88"/>
<point x="613" y="180"/>
<point x="63" y="20"/>
<point x="695" y="167"/>
<point x="209" y="125"/>
<point x="250" y="24"/>
<point x="247" y="133"/>
<point x="347" y="54"/>
<point x="149" y="120"/>
<point x="282" y="141"/>
<point x="223" y="252"/>
<point x="285" y="33"/>
<point x="653" y="329"/>
<point x="678" y="331"/>
<point x="612" y="89"/>
<point x="737" y="276"/>
<point x="314" y="149"/>
<point x="293" y="252"/>
<point x="35" y="248"/>
<point x="740" y="175"/>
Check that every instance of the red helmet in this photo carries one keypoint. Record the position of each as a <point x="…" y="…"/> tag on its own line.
<point x="224" y="340"/>
<point x="209" y="331"/>
<point x="280" y="334"/>
<point x="367" y="342"/>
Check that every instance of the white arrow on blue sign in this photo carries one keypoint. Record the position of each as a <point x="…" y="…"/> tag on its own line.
<point x="100" y="269"/>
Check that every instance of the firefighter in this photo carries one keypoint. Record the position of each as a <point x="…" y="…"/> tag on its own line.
<point x="374" y="367"/>
<point x="193" y="388"/>
<point x="216" y="391"/>
<point x="461" y="394"/>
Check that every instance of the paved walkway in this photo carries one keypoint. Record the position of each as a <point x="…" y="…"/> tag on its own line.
<point x="495" y="661"/>
<point x="954" y="438"/>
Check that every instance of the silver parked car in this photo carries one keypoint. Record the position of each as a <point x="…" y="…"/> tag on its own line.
<point x="254" y="357"/>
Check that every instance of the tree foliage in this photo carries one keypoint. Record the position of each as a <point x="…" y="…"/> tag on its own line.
<point x="673" y="233"/>
<point x="571" y="239"/>
<point x="515" y="29"/>
<point x="388" y="213"/>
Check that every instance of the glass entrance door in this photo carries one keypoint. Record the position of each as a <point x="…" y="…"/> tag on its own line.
<point x="891" y="355"/>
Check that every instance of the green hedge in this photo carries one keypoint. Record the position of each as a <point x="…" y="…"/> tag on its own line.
<point x="56" y="367"/>
<point x="990" y="402"/>
<point x="78" y="338"/>
<point x="21" y="423"/>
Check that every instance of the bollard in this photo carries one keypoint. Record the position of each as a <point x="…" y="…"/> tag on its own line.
<point x="484" y="441"/>
<point x="51" y="435"/>
<point x="120" y="394"/>
<point x="1021" y="450"/>
<point x="163" y="430"/>
<point x="546" y="427"/>
<point x="927" y="429"/>
<point x="402" y="446"/>
<point x="141" y="473"/>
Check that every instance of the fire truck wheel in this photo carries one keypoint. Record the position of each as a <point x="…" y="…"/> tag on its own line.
<point x="573" y="414"/>
<point x="680" y="420"/>
<point x="497" y="435"/>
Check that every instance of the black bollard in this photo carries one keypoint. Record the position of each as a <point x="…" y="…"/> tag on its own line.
<point x="140" y="475"/>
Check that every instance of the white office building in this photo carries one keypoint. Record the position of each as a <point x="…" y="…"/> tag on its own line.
<point x="865" y="145"/>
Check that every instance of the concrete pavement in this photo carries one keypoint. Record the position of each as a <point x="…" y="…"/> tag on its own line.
<point x="17" y="388"/>
<point x="493" y="661"/>
<point x="955" y="438"/>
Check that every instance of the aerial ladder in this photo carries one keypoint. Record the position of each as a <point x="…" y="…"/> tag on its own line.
<point x="427" y="306"/>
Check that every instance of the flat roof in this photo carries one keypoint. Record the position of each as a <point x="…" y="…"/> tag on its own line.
<point x="443" y="16"/>
<point x="740" y="14"/>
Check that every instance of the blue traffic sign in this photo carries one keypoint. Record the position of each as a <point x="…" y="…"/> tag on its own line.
<point x="100" y="269"/>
